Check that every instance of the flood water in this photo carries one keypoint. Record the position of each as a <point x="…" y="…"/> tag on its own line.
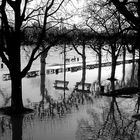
<point x="97" y="121"/>
<point x="105" y="118"/>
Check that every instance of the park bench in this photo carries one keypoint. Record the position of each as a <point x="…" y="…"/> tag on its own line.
<point x="6" y="77"/>
<point x="32" y="74"/>
<point x="59" y="84"/>
<point x="78" y="87"/>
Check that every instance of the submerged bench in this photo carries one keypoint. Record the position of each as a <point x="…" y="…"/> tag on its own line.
<point x="32" y="74"/>
<point x="78" y="87"/>
<point x="59" y="84"/>
<point x="6" y="77"/>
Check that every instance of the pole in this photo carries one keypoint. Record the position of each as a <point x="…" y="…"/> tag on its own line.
<point x="64" y="69"/>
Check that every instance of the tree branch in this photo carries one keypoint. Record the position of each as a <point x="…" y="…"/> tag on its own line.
<point x="76" y="49"/>
<point x="56" y="8"/>
<point x="127" y="14"/>
<point x="11" y="3"/>
<point x="34" y="10"/>
<point x="120" y="46"/>
<point x="24" y="10"/>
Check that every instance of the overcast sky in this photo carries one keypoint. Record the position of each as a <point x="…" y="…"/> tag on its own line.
<point x="75" y="7"/>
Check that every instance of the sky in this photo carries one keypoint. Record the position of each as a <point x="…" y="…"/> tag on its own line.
<point x="76" y="5"/>
<point x="72" y="7"/>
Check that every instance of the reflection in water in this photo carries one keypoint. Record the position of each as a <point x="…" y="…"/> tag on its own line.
<point x="113" y="124"/>
<point x="13" y="124"/>
<point x="4" y="125"/>
<point x="16" y="122"/>
<point x="111" y="121"/>
<point x="33" y="127"/>
<point x="5" y="97"/>
<point x="50" y="107"/>
<point x="108" y="120"/>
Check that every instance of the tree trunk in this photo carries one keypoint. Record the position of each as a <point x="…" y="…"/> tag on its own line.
<point x="83" y="72"/>
<point x="123" y="70"/>
<point x="113" y="66"/>
<point x="16" y="84"/>
<point x="15" y="73"/>
<point x="16" y="98"/>
<point x="42" y="73"/>
<point x="113" y="70"/>
<point x="83" y="68"/>
<point x="100" y="64"/>
<point x="83" y="76"/>
<point x="139" y="70"/>
<point x="133" y="69"/>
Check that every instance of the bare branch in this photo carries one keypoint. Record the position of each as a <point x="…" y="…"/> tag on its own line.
<point x="95" y="49"/>
<point x="32" y="58"/>
<point x="124" y="11"/>
<point x="74" y="46"/>
<point x="4" y="59"/>
<point x="56" y="8"/>
<point x="118" y="51"/>
<point x="11" y="3"/>
<point x="33" y="11"/>
<point x="24" y="9"/>
<point x="108" y="50"/>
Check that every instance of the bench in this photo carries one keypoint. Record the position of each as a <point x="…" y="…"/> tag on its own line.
<point x="58" y="84"/>
<point x="6" y="77"/>
<point x="78" y="87"/>
<point x="32" y="74"/>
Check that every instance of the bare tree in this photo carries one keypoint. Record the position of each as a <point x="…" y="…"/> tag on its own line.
<point x="131" y="11"/>
<point x="79" y="44"/>
<point x="12" y="23"/>
<point x="105" y="20"/>
<point x="97" y="45"/>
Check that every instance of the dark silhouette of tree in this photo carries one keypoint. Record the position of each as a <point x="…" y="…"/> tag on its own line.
<point x="97" y="45"/>
<point x="80" y="41"/>
<point x="131" y="12"/>
<point x="11" y="40"/>
<point x="110" y="24"/>
<point x="16" y="123"/>
<point x="123" y="70"/>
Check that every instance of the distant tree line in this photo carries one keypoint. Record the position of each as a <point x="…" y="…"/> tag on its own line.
<point x="30" y="36"/>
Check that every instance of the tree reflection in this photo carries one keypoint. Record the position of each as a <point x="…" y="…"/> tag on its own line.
<point x="17" y="122"/>
<point x="13" y="123"/>
<point x="113" y="120"/>
<point x="113" y="124"/>
<point x="137" y="106"/>
<point x="5" y="97"/>
<point x="4" y="125"/>
<point x="51" y="107"/>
